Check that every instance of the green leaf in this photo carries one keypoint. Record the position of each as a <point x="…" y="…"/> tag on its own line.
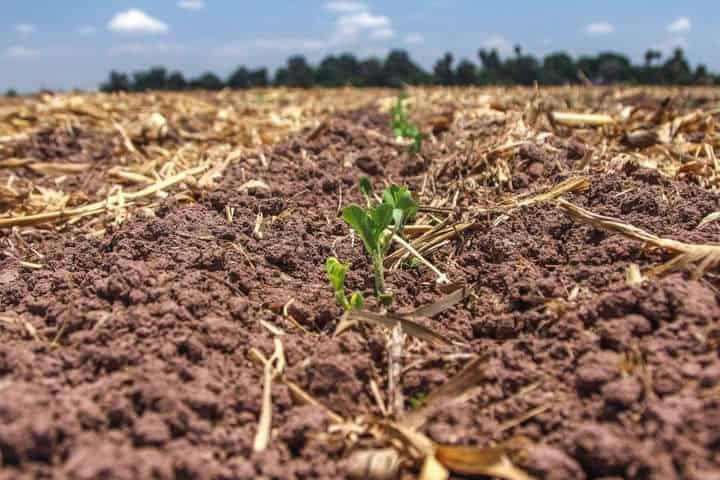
<point x="402" y="203"/>
<point x="416" y="146"/>
<point x="365" y="186"/>
<point x="356" y="301"/>
<point x="386" y="299"/>
<point x="418" y="400"/>
<point x="381" y="216"/>
<point x="336" y="272"/>
<point x="359" y="220"/>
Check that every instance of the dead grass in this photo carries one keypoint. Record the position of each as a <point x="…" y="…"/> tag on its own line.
<point x="182" y="144"/>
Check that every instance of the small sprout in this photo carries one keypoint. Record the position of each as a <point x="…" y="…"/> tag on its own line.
<point x="366" y="189"/>
<point x="377" y="225"/>
<point x="356" y="301"/>
<point x="417" y="400"/>
<point x="401" y="126"/>
<point x="336" y="272"/>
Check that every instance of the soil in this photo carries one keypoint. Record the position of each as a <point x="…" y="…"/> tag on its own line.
<point x="139" y="368"/>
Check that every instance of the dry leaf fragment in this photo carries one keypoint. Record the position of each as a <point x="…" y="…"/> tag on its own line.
<point x="709" y="218"/>
<point x="443" y="304"/>
<point x="490" y="461"/>
<point x="455" y="390"/>
<point x="433" y="470"/>
<point x="409" y="327"/>
<point x="259" y="184"/>
<point x="375" y="464"/>
<point x="571" y="119"/>
<point x="273" y="368"/>
<point x="702" y="256"/>
<point x="633" y="275"/>
<point x="155" y="127"/>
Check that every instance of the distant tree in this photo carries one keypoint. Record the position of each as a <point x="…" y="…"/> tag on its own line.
<point x="491" y="67"/>
<point x="207" y="81"/>
<point x="399" y="70"/>
<point x="701" y="76"/>
<point x="443" y="70"/>
<point x="176" y="81"/>
<point x="490" y="60"/>
<point x="652" y="55"/>
<point x="607" y="68"/>
<point x="676" y="70"/>
<point x="259" y="77"/>
<point x="371" y="72"/>
<point x="522" y="69"/>
<point x="338" y="71"/>
<point x="11" y="93"/>
<point x="117" y="82"/>
<point x="557" y="69"/>
<point x="466" y="73"/>
<point x="240" y="78"/>
<point x="152" y="79"/>
<point x="297" y="73"/>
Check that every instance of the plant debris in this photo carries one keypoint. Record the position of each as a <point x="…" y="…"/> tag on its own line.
<point x="176" y="299"/>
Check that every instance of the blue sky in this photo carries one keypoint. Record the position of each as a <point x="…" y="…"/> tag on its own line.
<point x="66" y="44"/>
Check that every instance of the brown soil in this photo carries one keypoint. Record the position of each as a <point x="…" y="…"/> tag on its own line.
<point x="127" y="356"/>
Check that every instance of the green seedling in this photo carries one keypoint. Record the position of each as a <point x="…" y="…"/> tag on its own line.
<point x="367" y="190"/>
<point x="417" y="400"/>
<point x="336" y="272"/>
<point x="377" y="226"/>
<point x="401" y="126"/>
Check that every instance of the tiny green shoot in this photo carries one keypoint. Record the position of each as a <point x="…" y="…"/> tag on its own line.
<point x="377" y="226"/>
<point x="336" y="272"/>
<point x="367" y="190"/>
<point x="417" y="400"/>
<point x="401" y="126"/>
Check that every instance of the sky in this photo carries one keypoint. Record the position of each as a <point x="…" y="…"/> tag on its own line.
<point x="74" y="44"/>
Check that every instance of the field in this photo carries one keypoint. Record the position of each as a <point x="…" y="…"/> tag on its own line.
<point x="165" y="310"/>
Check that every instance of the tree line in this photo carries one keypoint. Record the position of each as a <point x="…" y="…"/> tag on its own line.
<point x="398" y="69"/>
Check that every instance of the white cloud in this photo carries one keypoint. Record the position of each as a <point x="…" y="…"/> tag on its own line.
<point x="137" y="21"/>
<point x="497" y="42"/>
<point x="414" y="39"/>
<point x="353" y="22"/>
<point x="348" y="27"/>
<point x="346" y="6"/>
<point x="25" y="28"/>
<point x="599" y="28"/>
<point x="87" y="30"/>
<point x="382" y="33"/>
<point x="682" y="24"/>
<point x="191" y="4"/>
<point x="19" y="51"/>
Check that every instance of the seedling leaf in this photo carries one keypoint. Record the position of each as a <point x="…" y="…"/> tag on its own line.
<point x="356" y="217"/>
<point x="336" y="272"/>
<point x="356" y="301"/>
<point x="365" y="186"/>
<point x="378" y="225"/>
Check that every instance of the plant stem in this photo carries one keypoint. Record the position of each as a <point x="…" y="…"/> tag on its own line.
<point x="379" y="271"/>
<point x="342" y="300"/>
<point x="396" y="402"/>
